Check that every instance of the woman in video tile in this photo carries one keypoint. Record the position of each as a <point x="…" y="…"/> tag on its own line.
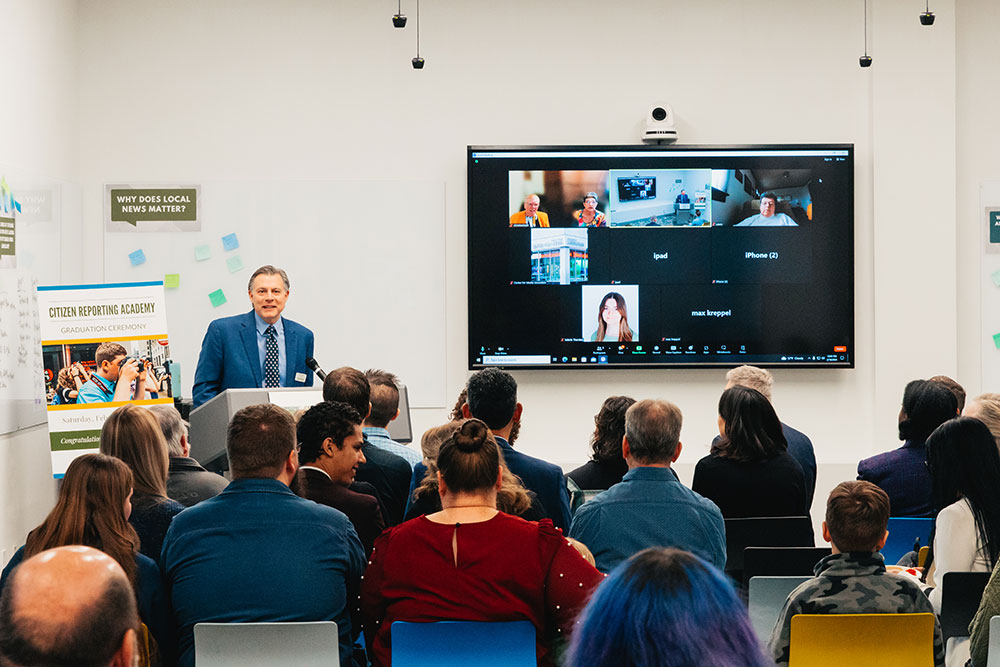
<point x="590" y="216"/>
<point x="612" y="319"/>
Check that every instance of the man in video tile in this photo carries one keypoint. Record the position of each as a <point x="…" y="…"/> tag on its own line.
<point x="530" y="216"/>
<point x="768" y="216"/>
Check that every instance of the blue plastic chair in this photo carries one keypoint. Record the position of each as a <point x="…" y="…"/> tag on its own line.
<point x="463" y="643"/>
<point x="903" y="532"/>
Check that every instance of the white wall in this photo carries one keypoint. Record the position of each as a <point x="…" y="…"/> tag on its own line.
<point x="38" y="129"/>
<point x="252" y="89"/>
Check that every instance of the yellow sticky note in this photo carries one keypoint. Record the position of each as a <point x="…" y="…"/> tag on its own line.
<point x="172" y="280"/>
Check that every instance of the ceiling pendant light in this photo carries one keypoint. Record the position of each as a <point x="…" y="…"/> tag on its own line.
<point x="927" y="16"/>
<point x="418" y="62"/>
<point x="866" y="60"/>
<point x="399" y="18"/>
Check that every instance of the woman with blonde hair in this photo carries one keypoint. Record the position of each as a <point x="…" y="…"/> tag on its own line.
<point x="92" y="509"/>
<point x="986" y="408"/>
<point x="133" y="435"/>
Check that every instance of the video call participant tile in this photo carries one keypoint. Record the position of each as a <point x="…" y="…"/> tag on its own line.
<point x="723" y="313"/>
<point x="762" y="255"/>
<point x="661" y="256"/>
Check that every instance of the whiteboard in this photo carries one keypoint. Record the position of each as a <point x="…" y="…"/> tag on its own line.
<point x="366" y="262"/>
<point x="46" y="205"/>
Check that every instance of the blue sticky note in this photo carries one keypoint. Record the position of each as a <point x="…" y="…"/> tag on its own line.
<point x="230" y="242"/>
<point x="138" y="257"/>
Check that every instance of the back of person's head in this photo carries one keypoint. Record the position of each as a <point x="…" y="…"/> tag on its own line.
<point x="470" y="459"/>
<point x="856" y="516"/>
<point x="986" y="408"/>
<point x="665" y="608"/>
<point x="65" y="379"/>
<point x="964" y="463"/>
<point x="132" y="434"/>
<point x="90" y="510"/>
<point x="492" y="397"/>
<point x="70" y="606"/>
<point x="926" y="405"/>
<point x="752" y="377"/>
<point x="609" y="427"/>
<point x="954" y="387"/>
<point x="329" y="419"/>
<point x="108" y="352"/>
<point x="653" y="429"/>
<point x="384" y="397"/>
<point x="348" y="385"/>
<point x="456" y="412"/>
<point x="172" y="426"/>
<point x="259" y="440"/>
<point x="430" y="441"/>
<point x="753" y="430"/>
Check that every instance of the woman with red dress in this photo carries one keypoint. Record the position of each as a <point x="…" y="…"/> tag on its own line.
<point x="471" y="562"/>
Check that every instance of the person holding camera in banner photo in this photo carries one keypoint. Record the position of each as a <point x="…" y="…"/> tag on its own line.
<point x="113" y="376"/>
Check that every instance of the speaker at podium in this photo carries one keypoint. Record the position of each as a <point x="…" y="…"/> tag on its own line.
<point x="210" y="421"/>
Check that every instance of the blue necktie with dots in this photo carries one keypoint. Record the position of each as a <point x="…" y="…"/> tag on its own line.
<point x="271" y="376"/>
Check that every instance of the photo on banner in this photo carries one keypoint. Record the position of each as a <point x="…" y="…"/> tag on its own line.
<point x="102" y="346"/>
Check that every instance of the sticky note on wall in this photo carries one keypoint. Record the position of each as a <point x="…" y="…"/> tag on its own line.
<point x="172" y="280"/>
<point x="137" y="257"/>
<point x="230" y="242"/>
<point x="235" y="263"/>
<point x="202" y="252"/>
<point x="996" y="340"/>
<point x="217" y="298"/>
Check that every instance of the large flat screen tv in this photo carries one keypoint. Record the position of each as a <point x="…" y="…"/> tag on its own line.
<point x="680" y="256"/>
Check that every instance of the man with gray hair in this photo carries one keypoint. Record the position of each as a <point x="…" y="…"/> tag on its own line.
<point x="70" y="605"/>
<point x="800" y="447"/>
<point x="650" y="507"/>
<point x="256" y="349"/>
<point x="188" y="483"/>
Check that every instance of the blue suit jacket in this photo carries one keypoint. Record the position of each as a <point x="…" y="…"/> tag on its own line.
<point x="229" y="358"/>
<point x="902" y="473"/>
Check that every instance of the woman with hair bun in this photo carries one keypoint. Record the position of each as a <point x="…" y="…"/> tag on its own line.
<point x="471" y="562"/>
<point x="665" y="608"/>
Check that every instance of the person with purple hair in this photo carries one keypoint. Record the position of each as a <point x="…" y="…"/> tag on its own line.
<point x="665" y="607"/>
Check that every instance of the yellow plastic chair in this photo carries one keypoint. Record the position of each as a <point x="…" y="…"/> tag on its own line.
<point x="922" y="556"/>
<point x="862" y="640"/>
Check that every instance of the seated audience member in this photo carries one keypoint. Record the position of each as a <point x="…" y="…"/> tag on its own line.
<point x="389" y="473"/>
<point x="70" y="605"/>
<point x="954" y="387"/>
<point x="853" y="579"/>
<point x="329" y="455"/>
<point x="92" y="510"/>
<point x="606" y="466"/>
<point x="257" y="552"/>
<point x="385" y="408"/>
<point x="749" y="471"/>
<point x="472" y="562"/>
<point x="650" y="507"/>
<point x="986" y="408"/>
<point x="492" y="398"/>
<point x="512" y="497"/>
<point x="187" y="482"/>
<point x="799" y="445"/>
<point x="965" y="488"/>
<point x="112" y="378"/>
<point x="665" y="608"/>
<point x="902" y="473"/>
<point x="133" y="435"/>
<point x="979" y="629"/>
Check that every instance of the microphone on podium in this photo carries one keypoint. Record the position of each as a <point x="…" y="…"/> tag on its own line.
<point x="314" y="367"/>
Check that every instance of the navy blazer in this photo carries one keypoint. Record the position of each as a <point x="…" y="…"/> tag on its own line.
<point x="230" y="359"/>
<point x="902" y="473"/>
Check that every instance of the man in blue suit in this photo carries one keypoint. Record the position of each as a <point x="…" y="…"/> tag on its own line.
<point x="492" y="398"/>
<point x="256" y="349"/>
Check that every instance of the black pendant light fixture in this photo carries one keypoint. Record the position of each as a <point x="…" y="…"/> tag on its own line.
<point x="418" y="62"/>
<point x="927" y="16"/>
<point x="399" y="18"/>
<point x="866" y="60"/>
